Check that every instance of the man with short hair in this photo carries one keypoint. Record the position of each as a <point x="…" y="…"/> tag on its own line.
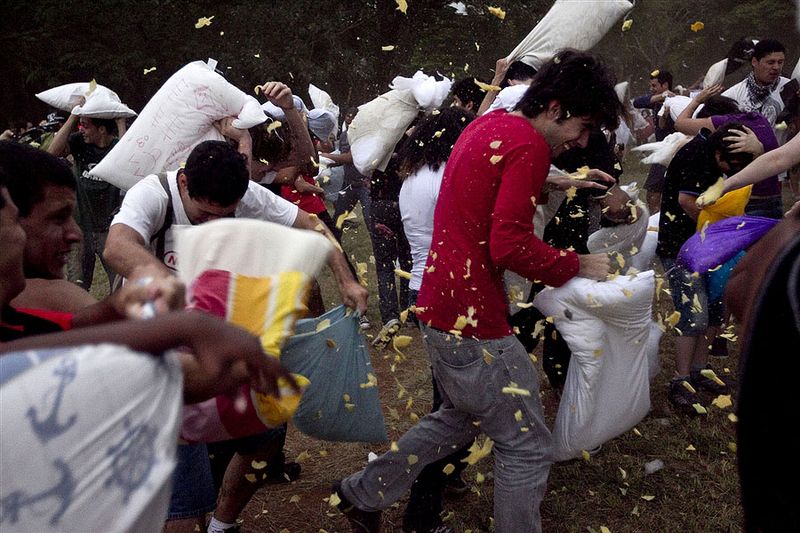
<point x="467" y="94"/>
<point x="215" y="183"/>
<point x="482" y="226"/>
<point x="43" y="187"/>
<point x="760" y="90"/>
<point x="695" y="167"/>
<point x="660" y="89"/>
<point x="97" y="199"/>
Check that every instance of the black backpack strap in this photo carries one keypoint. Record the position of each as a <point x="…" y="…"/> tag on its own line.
<point x="169" y="218"/>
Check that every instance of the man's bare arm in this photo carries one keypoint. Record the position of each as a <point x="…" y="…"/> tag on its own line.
<point x="125" y="250"/>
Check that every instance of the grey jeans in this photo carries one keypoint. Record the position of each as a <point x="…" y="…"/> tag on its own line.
<point x="471" y="375"/>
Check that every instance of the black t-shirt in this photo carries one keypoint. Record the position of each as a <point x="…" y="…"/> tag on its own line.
<point x="97" y="199"/>
<point x="17" y="325"/>
<point x="570" y="224"/>
<point x="693" y="170"/>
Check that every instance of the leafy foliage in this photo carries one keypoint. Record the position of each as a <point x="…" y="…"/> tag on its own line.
<point x="337" y="45"/>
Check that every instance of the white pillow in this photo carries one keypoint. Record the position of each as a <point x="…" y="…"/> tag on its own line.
<point x="177" y="118"/>
<point x="66" y="97"/>
<point x="607" y="327"/>
<point x="103" y="104"/>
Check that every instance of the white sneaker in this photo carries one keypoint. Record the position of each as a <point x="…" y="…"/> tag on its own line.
<point x="386" y="333"/>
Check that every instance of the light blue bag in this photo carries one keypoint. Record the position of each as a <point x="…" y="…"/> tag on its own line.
<point x="341" y="403"/>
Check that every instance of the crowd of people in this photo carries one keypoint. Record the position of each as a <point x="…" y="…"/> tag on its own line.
<point x="454" y="207"/>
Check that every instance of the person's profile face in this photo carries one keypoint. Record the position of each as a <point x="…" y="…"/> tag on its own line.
<point x="91" y="133"/>
<point x="563" y="135"/>
<point x="51" y="231"/>
<point x="200" y="210"/>
<point x="656" y="87"/>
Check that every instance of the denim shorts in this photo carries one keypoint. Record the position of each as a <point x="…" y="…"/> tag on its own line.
<point x="687" y="289"/>
<point x="193" y="491"/>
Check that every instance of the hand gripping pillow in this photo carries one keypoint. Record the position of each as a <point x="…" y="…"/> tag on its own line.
<point x="341" y="403"/>
<point x="88" y="438"/>
<point x="254" y="274"/>
<point x="103" y="104"/>
<point x="177" y="118"/>
<point x="607" y="326"/>
<point x="569" y="24"/>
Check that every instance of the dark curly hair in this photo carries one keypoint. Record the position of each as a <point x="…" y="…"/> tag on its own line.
<point x="29" y="171"/>
<point x="737" y="160"/>
<point x="468" y="92"/>
<point x="582" y="84"/>
<point x="216" y="172"/>
<point x="432" y="139"/>
<point x="270" y="144"/>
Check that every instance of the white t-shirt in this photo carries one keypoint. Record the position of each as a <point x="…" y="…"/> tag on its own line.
<point x="418" y="197"/>
<point x="508" y="98"/>
<point x="144" y="209"/>
<point x="770" y="108"/>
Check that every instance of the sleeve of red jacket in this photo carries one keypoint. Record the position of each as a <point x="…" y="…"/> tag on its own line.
<point x="512" y="243"/>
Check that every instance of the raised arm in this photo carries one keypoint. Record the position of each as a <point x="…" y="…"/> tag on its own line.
<point x="500" y="69"/>
<point x="301" y="150"/>
<point x="692" y="126"/>
<point x="771" y="163"/>
<point x="59" y="146"/>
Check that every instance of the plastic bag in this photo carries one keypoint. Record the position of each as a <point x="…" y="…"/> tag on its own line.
<point x="88" y="436"/>
<point x="569" y="24"/>
<point x="723" y="240"/>
<point x="341" y="403"/>
<point x="177" y="118"/>
<point x="607" y="327"/>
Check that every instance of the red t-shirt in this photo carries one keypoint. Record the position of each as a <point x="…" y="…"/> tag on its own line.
<point x="20" y="323"/>
<point x="308" y="202"/>
<point x="483" y="224"/>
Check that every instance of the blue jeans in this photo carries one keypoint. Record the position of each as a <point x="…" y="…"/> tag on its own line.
<point x="471" y="389"/>
<point x="347" y="199"/>
<point x="686" y="288"/>
<point x="386" y="250"/>
<point x="193" y="491"/>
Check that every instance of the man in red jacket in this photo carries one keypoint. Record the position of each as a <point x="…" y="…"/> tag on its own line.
<point x="482" y="226"/>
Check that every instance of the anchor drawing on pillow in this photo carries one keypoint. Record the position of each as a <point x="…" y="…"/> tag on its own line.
<point x="50" y="427"/>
